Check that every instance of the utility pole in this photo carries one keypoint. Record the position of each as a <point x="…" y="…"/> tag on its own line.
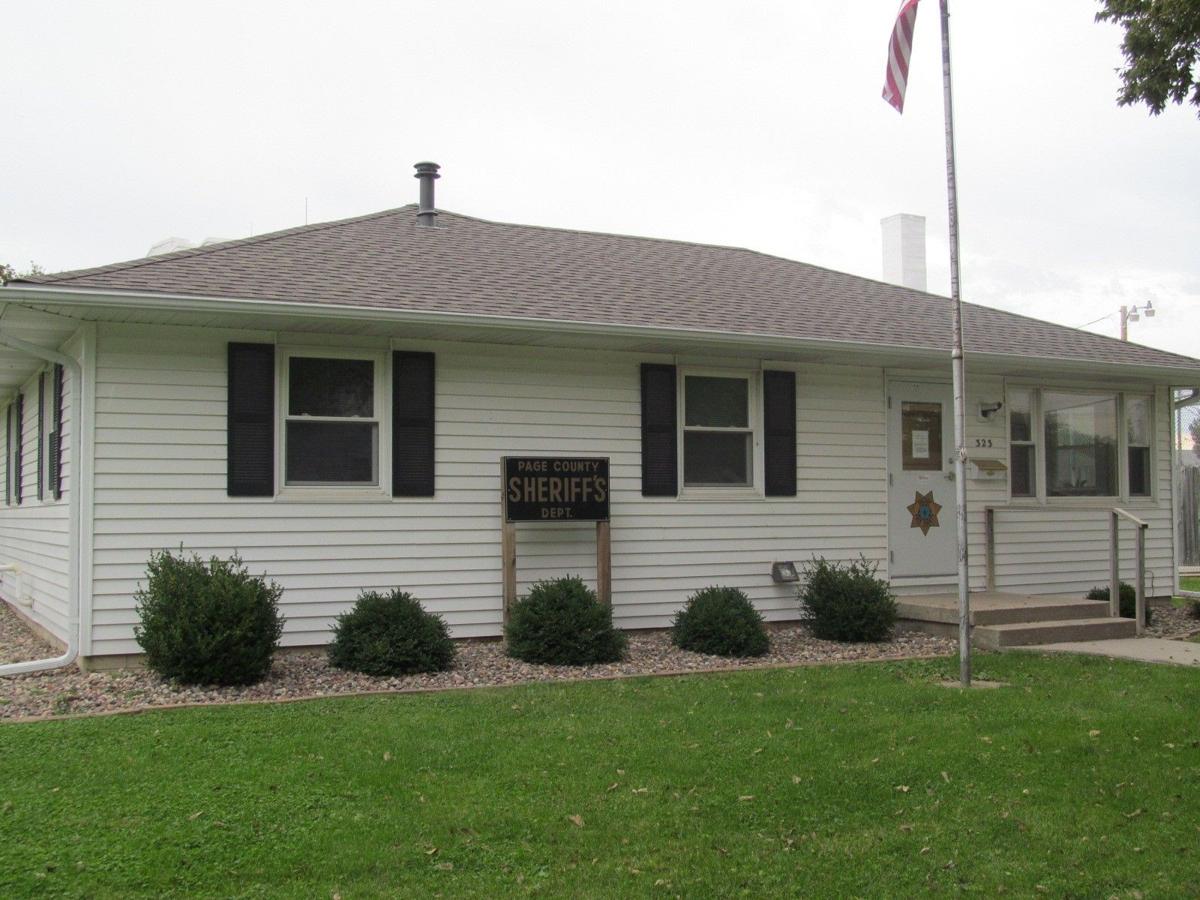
<point x="1133" y="314"/>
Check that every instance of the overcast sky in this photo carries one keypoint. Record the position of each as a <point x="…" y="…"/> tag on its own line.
<point x="757" y="124"/>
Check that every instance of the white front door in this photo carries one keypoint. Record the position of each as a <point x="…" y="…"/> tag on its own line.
<point x="921" y="501"/>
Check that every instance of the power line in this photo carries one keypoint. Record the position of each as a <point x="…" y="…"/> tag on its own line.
<point x="1094" y="321"/>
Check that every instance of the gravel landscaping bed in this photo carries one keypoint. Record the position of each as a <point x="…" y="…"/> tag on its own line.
<point x="17" y="642"/>
<point x="1168" y="622"/>
<point x="478" y="664"/>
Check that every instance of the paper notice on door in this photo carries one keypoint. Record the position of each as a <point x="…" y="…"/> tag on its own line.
<point x="920" y="445"/>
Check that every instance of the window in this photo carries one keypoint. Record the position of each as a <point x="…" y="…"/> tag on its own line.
<point x="331" y="424"/>
<point x="921" y="436"/>
<point x="1093" y="443"/>
<point x="1137" y="443"/>
<point x="718" y="433"/>
<point x="1081" y="444"/>
<point x="1022" y="450"/>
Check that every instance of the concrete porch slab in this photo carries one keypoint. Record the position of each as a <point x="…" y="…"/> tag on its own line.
<point x="1151" y="650"/>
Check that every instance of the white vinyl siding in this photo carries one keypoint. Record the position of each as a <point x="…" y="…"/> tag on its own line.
<point x="161" y="482"/>
<point x="34" y="534"/>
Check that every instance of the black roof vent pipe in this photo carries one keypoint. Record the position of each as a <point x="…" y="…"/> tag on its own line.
<point x="427" y="173"/>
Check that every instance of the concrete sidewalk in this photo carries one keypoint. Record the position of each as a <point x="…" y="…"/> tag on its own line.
<point x="1153" y="650"/>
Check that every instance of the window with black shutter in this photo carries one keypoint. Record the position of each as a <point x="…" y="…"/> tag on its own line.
<point x="18" y="448"/>
<point x="413" y="407"/>
<point x="251" y="421"/>
<point x="41" y="436"/>
<point x="660" y="448"/>
<point x="779" y="433"/>
<point x="8" y="455"/>
<point x="56" y="439"/>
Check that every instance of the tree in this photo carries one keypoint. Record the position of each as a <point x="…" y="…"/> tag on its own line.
<point x="8" y="273"/>
<point x="1162" y="42"/>
<point x="1194" y="429"/>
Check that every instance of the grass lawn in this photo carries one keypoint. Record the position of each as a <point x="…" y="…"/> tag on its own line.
<point x="1080" y="779"/>
<point x="1190" y="583"/>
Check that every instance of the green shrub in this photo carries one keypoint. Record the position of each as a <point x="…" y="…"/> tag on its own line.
<point x="1127" y="603"/>
<point x="846" y="602"/>
<point x="207" y="623"/>
<point x="562" y="623"/>
<point x="390" y="634"/>
<point x="720" y="621"/>
<point x="1193" y="607"/>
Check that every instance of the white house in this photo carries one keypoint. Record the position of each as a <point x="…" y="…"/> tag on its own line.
<point x="333" y="402"/>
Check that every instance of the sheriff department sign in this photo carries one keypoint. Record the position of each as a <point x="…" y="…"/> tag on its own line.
<point x="555" y="489"/>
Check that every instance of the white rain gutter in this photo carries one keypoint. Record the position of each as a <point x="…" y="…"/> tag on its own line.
<point x="53" y="294"/>
<point x="74" y="522"/>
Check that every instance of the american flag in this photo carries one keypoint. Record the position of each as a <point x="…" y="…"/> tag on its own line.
<point x="899" y="50"/>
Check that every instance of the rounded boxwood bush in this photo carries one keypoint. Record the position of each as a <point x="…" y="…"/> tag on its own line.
<point x="1127" y="601"/>
<point x="720" y="621"/>
<point x="207" y="623"/>
<point x="846" y="602"/>
<point x="390" y="634"/>
<point x="562" y="623"/>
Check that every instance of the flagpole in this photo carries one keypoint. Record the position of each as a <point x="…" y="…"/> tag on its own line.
<point x="958" y="370"/>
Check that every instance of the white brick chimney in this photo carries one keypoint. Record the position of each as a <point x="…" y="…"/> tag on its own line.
<point x="904" y="250"/>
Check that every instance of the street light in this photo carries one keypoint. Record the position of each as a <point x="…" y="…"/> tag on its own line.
<point x="1134" y="314"/>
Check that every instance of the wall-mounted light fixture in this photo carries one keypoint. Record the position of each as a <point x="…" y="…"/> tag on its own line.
<point x="783" y="572"/>
<point x="987" y="410"/>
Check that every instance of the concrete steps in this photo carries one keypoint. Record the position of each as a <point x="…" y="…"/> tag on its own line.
<point x="1023" y="634"/>
<point x="1001" y="620"/>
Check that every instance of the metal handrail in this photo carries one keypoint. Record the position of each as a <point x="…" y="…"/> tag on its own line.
<point x="1130" y="516"/>
<point x="1114" y="567"/>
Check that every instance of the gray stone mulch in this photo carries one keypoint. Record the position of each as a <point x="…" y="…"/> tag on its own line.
<point x="1167" y="621"/>
<point x="307" y="673"/>
<point x="17" y="642"/>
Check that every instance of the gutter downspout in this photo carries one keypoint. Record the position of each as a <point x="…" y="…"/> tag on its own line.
<point x="75" y="519"/>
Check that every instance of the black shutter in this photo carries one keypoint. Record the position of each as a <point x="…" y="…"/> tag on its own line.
<point x="41" y="436"/>
<point x="56" y="435"/>
<point x="413" y="403"/>
<point x="250" y="429"/>
<point x="19" y="448"/>
<point x="779" y="432"/>
<point x="8" y="455"/>
<point x="660" y="438"/>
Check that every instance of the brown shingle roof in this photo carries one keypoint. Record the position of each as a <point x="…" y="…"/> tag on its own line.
<point x="472" y="266"/>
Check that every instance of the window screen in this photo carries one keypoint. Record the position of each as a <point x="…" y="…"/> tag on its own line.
<point x="331" y="433"/>
<point x="718" y="443"/>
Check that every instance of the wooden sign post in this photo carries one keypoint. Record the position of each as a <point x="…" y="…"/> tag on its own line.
<point x="554" y="489"/>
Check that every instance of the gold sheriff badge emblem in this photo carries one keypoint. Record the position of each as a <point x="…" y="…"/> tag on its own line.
<point x="924" y="512"/>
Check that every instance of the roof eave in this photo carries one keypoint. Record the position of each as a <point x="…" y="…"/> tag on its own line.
<point x="93" y="297"/>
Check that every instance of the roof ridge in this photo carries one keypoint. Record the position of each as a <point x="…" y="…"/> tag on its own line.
<point x="682" y="243"/>
<point x="190" y="252"/>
